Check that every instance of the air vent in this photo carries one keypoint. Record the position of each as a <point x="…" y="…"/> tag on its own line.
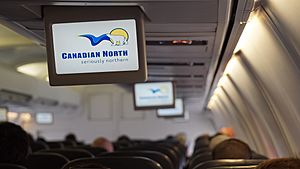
<point x="189" y="86"/>
<point x="156" y="75"/>
<point x="45" y="101"/>
<point x="14" y="97"/>
<point x="199" y="64"/>
<point x="178" y="43"/>
<point x="167" y="64"/>
<point x="198" y="76"/>
<point x="174" y="64"/>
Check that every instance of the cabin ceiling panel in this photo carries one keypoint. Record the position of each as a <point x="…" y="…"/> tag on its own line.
<point x="167" y="20"/>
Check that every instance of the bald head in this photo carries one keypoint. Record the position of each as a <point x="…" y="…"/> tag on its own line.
<point x="103" y="143"/>
<point x="232" y="149"/>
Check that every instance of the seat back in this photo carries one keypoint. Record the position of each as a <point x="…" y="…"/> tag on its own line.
<point x="11" y="166"/>
<point x="175" y="148"/>
<point x="37" y="146"/>
<point x="202" y="150"/>
<point x="258" y="156"/>
<point x="46" y="161"/>
<point x="167" y="151"/>
<point x="158" y="157"/>
<point x="70" y="154"/>
<point x="69" y="143"/>
<point x="227" y="162"/>
<point x="235" y="167"/>
<point x="94" y="150"/>
<point x="115" y="163"/>
<point x="200" y="158"/>
<point x="55" y="144"/>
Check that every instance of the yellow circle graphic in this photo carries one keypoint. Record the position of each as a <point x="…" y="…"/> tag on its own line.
<point x="120" y="32"/>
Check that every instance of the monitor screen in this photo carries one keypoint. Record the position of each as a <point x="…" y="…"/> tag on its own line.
<point x="154" y="95"/>
<point x="3" y="114"/>
<point x="95" y="47"/>
<point x="178" y="111"/>
<point x="105" y="45"/>
<point x="44" y="118"/>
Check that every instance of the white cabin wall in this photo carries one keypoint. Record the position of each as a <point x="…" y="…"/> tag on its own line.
<point x="18" y="82"/>
<point x="262" y="80"/>
<point x="135" y="124"/>
<point x="123" y="120"/>
<point x="11" y="80"/>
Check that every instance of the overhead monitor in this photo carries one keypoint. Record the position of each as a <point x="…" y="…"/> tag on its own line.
<point x="178" y="111"/>
<point x="44" y="118"/>
<point x="95" y="45"/>
<point x="154" y="95"/>
<point x="3" y="114"/>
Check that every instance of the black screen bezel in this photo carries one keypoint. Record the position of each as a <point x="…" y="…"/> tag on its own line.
<point x="72" y="14"/>
<point x="155" y="107"/>
<point x="175" y="116"/>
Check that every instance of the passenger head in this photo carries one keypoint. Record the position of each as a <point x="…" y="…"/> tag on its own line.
<point x="41" y="139"/>
<point x="30" y="139"/>
<point x="181" y="138"/>
<point x="217" y="140"/>
<point x="203" y="139"/>
<point x="170" y="137"/>
<point x="14" y="143"/>
<point x="103" y="143"/>
<point x="280" y="163"/>
<point x="232" y="149"/>
<point x="71" y="137"/>
<point x="123" y="138"/>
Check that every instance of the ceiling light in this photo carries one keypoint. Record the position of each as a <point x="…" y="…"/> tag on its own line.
<point x="38" y="70"/>
<point x="25" y="117"/>
<point x="12" y="116"/>
<point x="47" y="78"/>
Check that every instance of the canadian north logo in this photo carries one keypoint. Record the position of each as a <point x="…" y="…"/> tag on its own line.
<point x="117" y="37"/>
<point x="155" y="90"/>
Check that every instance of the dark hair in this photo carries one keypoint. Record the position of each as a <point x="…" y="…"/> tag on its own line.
<point x="14" y="143"/>
<point x="123" y="138"/>
<point x="71" y="137"/>
<point x="280" y="163"/>
<point x="232" y="149"/>
<point x="30" y="139"/>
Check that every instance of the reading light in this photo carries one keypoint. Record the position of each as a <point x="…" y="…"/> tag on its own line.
<point x="12" y="116"/>
<point x="183" y="42"/>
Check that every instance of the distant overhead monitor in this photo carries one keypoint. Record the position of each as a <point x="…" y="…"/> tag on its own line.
<point x="44" y="118"/>
<point x="154" y="95"/>
<point x="95" y="45"/>
<point x="3" y="114"/>
<point x="178" y="111"/>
